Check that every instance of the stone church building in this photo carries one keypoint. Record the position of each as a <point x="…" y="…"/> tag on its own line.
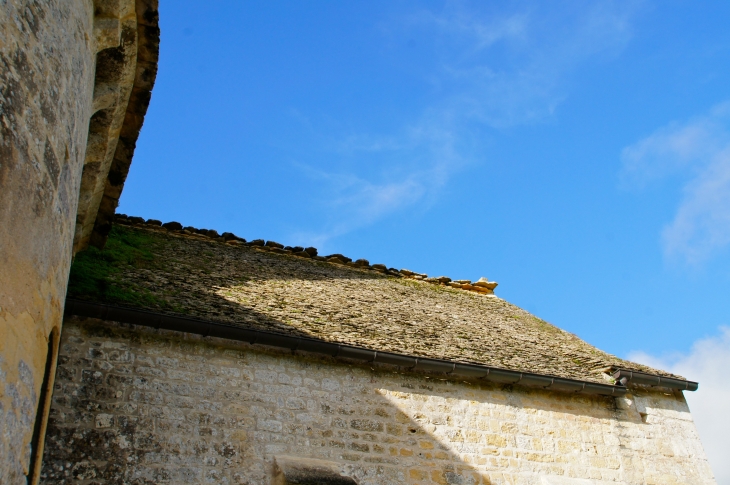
<point x="171" y="354"/>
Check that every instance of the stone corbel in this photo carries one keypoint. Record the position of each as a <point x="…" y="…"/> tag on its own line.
<point x="115" y="36"/>
<point x="107" y="32"/>
<point x="108" y="16"/>
<point x="105" y="96"/>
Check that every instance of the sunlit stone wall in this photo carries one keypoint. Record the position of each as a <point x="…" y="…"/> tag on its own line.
<point x="47" y="56"/>
<point x="135" y="405"/>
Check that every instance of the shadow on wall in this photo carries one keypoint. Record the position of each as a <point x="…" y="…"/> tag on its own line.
<point x="140" y="406"/>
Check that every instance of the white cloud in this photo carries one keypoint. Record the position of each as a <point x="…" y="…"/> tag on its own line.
<point x="707" y="362"/>
<point x="699" y="152"/>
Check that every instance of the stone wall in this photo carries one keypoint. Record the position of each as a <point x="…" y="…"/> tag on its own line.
<point x="46" y="85"/>
<point x="62" y="64"/>
<point x="139" y="406"/>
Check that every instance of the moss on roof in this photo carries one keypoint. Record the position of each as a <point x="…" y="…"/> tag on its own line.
<point x="196" y="276"/>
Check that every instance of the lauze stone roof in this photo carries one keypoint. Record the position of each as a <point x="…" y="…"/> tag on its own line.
<point x="228" y="281"/>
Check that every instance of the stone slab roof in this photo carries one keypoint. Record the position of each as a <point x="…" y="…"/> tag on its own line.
<point x="231" y="282"/>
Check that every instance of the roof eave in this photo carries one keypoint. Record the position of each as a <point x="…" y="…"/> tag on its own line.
<point x="295" y="343"/>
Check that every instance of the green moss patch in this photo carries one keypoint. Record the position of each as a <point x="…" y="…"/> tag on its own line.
<point x="93" y="270"/>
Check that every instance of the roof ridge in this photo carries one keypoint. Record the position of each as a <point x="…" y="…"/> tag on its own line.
<point x="482" y="286"/>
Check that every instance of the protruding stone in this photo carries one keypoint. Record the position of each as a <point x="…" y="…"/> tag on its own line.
<point x="335" y="259"/>
<point x="362" y="263"/>
<point x="302" y="254"/>
<point x="312" y="251"/>
<point x="379" y="267"/>
<point x="443" y="279"/>
<point x="485" y="283"/>
<point x="274" y="244"/>
<point x="173" y="226"/>
<point x="228" y="236"/>
<point x="136" y="220"/>
<point x="463" y="282"/>
<point x="256" y="242"/>
<point x="406" y="272"/>
<point x="340" y="256"/>
<point x="154" y="222"/>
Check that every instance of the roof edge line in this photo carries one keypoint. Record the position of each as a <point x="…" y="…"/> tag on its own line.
<point x="251" y="336"/>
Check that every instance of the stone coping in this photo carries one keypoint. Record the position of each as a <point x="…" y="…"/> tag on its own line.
<point x="482" y="286"/>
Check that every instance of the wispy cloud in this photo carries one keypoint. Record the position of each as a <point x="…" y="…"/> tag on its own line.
<point x="490" y="69"/>
<point x="427" y="155"/>
<point x="698" y="151"/>
<point x="513" y="67"/>
<point x="706" y="363"/>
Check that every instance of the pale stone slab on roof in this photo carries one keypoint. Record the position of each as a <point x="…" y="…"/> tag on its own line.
<point x="199" y="277"/>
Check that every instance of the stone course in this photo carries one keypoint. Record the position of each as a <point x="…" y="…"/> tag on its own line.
<point x="140" y="406"/>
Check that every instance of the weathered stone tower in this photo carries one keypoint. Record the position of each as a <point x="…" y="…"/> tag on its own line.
<point x="75" y="82"/>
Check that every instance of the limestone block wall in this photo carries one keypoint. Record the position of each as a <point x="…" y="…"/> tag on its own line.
<point x="139" y="406"/>
<point x="46" y="83"/>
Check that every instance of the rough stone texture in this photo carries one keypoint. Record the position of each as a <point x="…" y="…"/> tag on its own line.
<point x="196" y="276"/>
<point x="134" y="405"/>
<point x="51" y="83"/>
<point x="46" y="82"/>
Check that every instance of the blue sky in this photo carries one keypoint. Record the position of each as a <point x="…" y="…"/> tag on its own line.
<point x="576" y="152"/>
